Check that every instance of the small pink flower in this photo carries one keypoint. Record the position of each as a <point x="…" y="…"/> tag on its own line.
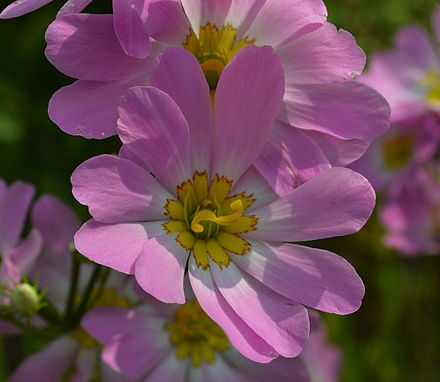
<point x="325" y="117"/>
<point x="190" y="197"/>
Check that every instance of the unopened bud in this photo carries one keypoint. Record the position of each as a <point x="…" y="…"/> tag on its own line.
<point x="25" y="299"/>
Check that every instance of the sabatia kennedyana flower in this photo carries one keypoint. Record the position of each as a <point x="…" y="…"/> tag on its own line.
<point x="190" y="197"/>
<point x="325" y="117"/>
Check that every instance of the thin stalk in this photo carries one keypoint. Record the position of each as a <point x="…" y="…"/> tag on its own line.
<point x="89" y="289"/>
<point x="75" y="271"/>
<point x="101" y="287"/>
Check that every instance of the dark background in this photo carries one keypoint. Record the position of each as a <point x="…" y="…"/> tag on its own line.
<point x="395" y="335"/>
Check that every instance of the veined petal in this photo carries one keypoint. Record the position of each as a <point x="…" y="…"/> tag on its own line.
<point x="292" y="19"/>
<point x="346" y="110"/>
<point x="201" y="12"/>
<point x="160" y="268"/>
<point x="339" y="152"/>
<point x="247" y="100"/>
<point x="115" y="245"/>
<point x="85" y="46"/>
<point x="324" y="55"/>
<point x="165" y="21"/>
<point x="153" y="127"/>
<point x="334" y="203"/>
<point x="310" y="276"/>
<point x="290" y="158"/>
<point x="213" y="303"/>
<point x="89" y="108"/>
<point x="73" y="6"/>
<point x="23" y="256"/>
<point x="191" y="94"/>
<point x="242" y="14"/>
<point x="282" y="323"/>
<point x="57" y="223"/>
<point x="171" y="369"/>
<point x="253" y="181"/>
<point x="14" y="204"/>
<point x="129" y="29"/>
<point x="116" y="190"/>
<point x="56" y="356"/>
<point x="20" y="8"/>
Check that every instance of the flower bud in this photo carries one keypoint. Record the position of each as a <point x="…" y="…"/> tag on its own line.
<point x="25" y="299"/>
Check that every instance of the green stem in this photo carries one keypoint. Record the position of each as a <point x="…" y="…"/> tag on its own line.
<point x="89" y="289"/>
<point x="75" y="271"/>
<point x="49" y="313"/>
<point x="104" y="278"/>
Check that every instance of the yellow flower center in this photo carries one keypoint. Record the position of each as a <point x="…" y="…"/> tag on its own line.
<point x="430" y="84"/>
<point x="208" y="220"/>
<point x="195" y="335"/>
<point x="397" y="151"/>
<point x="108" y="297"/>
<point x="214" y="48"/>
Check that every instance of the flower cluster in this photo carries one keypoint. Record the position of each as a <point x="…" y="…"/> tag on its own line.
<point x="403" y="162"/>
<point x="235" y="121"/>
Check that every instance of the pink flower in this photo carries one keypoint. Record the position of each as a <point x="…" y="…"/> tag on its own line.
<point x="190" y="197"/>
<point x="411" y="212"/>
<point x="168" y="342"/>
<point x="409" y="75"/>
<point x="17" y="256"/>
<point x="57" y="224"/>
<point x="334" y="118"/>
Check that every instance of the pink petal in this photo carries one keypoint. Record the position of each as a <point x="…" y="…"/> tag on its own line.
<point x="339" y="152"/>
<point x="282" y="323"/>
<point x="14" y="204"/>
<point x="57" y="223"/>
<point x="110" y="375"/>
<point x="201" y="12"/>
<point x="171" y="369"/>
<point x="55" y="357"/>
<point x="165" y="21"/>
<point x="247" y="100"/>
<point x="346" y="110"/>
<point x="24" y="255"/>
<point x="310" y="276"/>
<point x="153" y="127"/>
<point x="8" y="329"/>
<point x="73" y="6"/>
<point x="22" y="7"/>
<point x="334" y="203"/>
<point x="292" y="19"/>
<point x="290" y="158"/>
<point x="220" y="371"/>
<point x="129" y="29"/>
<point x="160" y="268"/>
<point x="191" y="94"/>
<point x="85" y="46"/>
<point x="116" y="190"/>
<point x="115" y="245"/>
<point x="324" y="55"/>
<point x="251" y="182"/>
<point x="244" y="339"/>
<point x="84" y="365"/>
<point x="242" y="14"/>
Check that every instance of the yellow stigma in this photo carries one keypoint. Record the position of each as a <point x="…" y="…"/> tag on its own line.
<point x="397" y="151"/>
<point x="430" y="84"/>
<point x="214" y="47"/>
<point x="195" y="335"/>
<point x="208" y="221"/>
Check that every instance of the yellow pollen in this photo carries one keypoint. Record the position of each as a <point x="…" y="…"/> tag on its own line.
<point x="430" y="85"/>
<point x="208" y="221"/>
<point x="397" y="151"/>
<point x="214" y="47"/>
<point x="195" y="335"/>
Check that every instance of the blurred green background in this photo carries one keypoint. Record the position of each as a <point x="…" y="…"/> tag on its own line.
<point x="394" y="337"/>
